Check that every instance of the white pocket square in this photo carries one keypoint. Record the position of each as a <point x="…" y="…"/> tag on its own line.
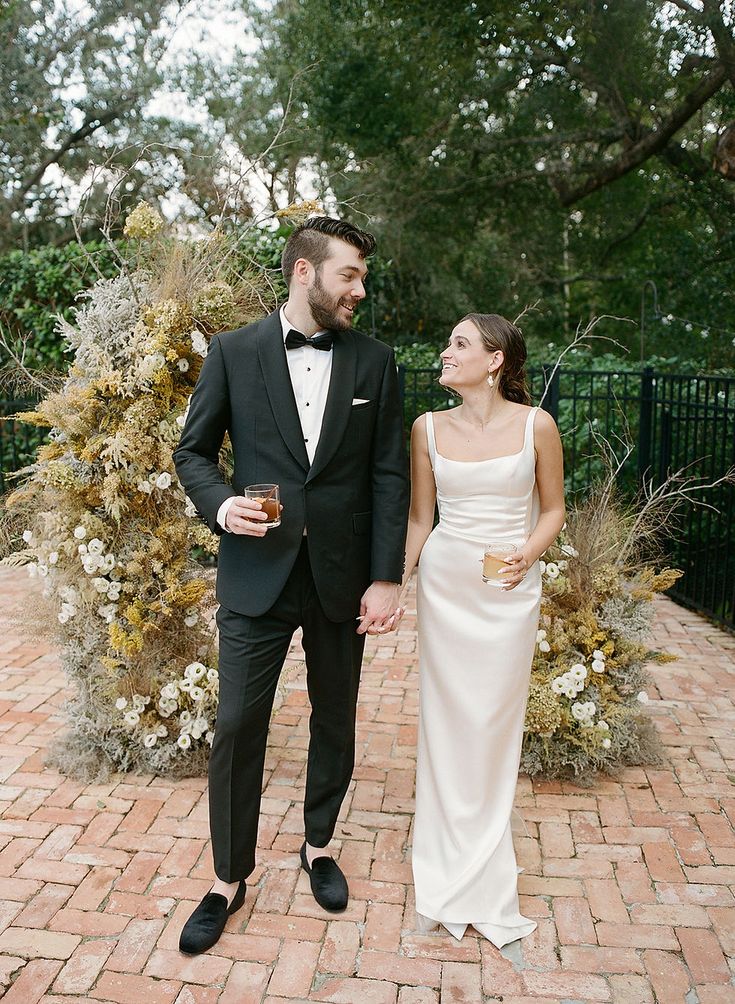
<point x="360" y="400"/>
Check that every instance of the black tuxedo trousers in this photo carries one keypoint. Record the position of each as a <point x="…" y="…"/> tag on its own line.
<point x="251" y="655"/>
<point x="353" y="502"/>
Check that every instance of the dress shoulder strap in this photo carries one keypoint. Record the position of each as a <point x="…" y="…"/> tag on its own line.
<point x="430" y="437"/>
<point x="528" y="434"/>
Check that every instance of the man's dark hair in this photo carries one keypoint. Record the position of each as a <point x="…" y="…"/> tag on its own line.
<point x="311" y="241"/>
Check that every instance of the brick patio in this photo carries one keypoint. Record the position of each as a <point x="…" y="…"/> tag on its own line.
<point x="631" y="881"/>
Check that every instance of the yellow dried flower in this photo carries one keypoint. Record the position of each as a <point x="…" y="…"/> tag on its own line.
<point x="59" y="475"/>
<point x="167" y="317"/>
<point x="214" y="306"/>
<point x="543" y="711"/>
<point x="143" y="222"/>
<point x="299" y="212"/>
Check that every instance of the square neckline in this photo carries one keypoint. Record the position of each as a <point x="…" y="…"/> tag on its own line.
<point x="488" y="460"/>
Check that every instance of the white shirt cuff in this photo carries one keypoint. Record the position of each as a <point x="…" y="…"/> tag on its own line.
<point x="222" y="512"/>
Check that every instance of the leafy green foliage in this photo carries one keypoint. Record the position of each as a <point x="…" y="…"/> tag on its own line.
<point x="39" y="285"/>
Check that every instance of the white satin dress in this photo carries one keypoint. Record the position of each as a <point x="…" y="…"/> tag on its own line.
<point x="476" y="644"/>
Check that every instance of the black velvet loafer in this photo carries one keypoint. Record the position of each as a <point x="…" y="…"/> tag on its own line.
<point x="206" y="924"/>
<point x="328" y="884"/>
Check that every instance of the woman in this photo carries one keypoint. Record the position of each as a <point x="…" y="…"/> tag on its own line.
<point x="494" y="466"/>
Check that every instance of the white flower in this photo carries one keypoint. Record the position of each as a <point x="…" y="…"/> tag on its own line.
<point x="121" y="703"/>
<point x="202" y="724"/>
<point x="210" y="737"/>
<point x="109" y="562"/>
<point x="602" y="724"/>
<point x="100" y="584"/>
<point x="542" y="566"/>
<point x="131" y="717"/>
<point x="80" y="532"/>
<point x="82" y="549"/>
<point x="552" y="570"/>
<point x="196" y="693"/>
<point x="90" y="564"/>
<point x="540" y="634"/>
<point x="578" y="685"/>
<point x="186" y="684"/>
<point x="578" y="711"/>
<point x="570" y="551"/>
<point x="212" y="676"/>
<point x="544" y="646"/>
<point x="95" y="546"/>
<point x="562" y="564"/>
<point x="184" y="741"/>
<point x="598" y="665"/>
<point x="191" y="620"/>
<point x="195" y="671"/>
<point x="139" y="702"/>
<point x="145" y="486"/>
<point x="183" y="365"/>
<point x="190" y="509"/>
<point x="163" y="480"/>
<point x="161" y="731"/>
<point x="185" y="717"/>
<point x="590" y="707"/>
<point x="570" y="690"/>
<point x="578" y="671"/>
<point x="643" y="697"/>
<point x="62" y="616"/>
<point x="559" y="685"/>
<point x="166" y="708"/>
<point x="199" y="343"/>
<point x="597" y="654"/>
<point x="113" y="593"/>
<point x="606" y="744"/>
<point x="150" y="740"/>
<point x="169" y="692"/>
<point x="28" y="536"/>
<point x="180" y="421"/>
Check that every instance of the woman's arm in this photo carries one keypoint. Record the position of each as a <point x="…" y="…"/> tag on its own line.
<point x="423" y="498"/>
<point x="550" y="485"/>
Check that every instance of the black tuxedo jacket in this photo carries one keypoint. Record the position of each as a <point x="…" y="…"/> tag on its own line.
<point x="353" y="500"/>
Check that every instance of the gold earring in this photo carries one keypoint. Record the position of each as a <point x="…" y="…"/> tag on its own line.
<point x="490" y="381"/>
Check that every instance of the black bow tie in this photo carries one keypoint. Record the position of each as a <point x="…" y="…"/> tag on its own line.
<point x="294" y="340"/>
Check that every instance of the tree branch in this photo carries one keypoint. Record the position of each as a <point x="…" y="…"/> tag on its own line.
<point x="91" y="124"/>
<point x="651" y="143"/>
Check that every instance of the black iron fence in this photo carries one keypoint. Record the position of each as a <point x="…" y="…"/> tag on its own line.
<point x="673" y="422"/>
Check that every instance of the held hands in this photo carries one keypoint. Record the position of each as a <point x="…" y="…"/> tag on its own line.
<point x="518" y="565"/>
<point x="379" y="609"/>
<point x="246" y="516"/>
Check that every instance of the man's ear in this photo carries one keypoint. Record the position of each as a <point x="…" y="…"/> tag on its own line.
<point x="302" y="271"/>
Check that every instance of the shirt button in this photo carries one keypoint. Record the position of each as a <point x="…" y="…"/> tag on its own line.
<point x="308" y="369"/>
<point x="307" y="404"/>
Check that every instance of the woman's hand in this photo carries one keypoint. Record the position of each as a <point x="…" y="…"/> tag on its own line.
<point x="518" y="565"/>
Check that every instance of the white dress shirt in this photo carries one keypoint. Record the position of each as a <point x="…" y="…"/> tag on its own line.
<point x="310" y="370"/>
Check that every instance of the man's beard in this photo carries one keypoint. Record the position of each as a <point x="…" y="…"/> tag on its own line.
<point x="324" y="307"/>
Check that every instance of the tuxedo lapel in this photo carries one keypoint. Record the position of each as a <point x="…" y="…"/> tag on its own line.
<point x="272" y="356"/>
<point x="339" y="400"/>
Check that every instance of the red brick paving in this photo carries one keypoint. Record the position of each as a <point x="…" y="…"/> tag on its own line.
<point x="632" y="880"/>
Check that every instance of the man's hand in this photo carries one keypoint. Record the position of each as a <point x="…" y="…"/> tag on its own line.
<point x="246" y="516"/>
<point x="379" y="610"/>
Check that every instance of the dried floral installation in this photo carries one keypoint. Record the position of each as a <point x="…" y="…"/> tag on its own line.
<point x="106" y="524"/>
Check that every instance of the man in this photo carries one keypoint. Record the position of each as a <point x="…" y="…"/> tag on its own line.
<point x="313" y="406"/>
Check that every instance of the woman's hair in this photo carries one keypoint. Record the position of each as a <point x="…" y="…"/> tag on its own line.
<point x="498" y="333"/>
